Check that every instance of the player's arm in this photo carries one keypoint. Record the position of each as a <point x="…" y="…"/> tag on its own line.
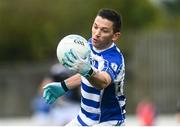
<point x="73" y="81"/>
<point x="54" y="90"/>
<point x="99" y="79"/>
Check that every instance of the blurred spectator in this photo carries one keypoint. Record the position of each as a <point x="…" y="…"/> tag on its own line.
<point x="40" y="109"/>
<point x="66" y="107"/>
<point x="146" y="113"/>
<point x="59" y="73"/>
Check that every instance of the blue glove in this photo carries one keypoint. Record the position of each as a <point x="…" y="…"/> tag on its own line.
<point x="54" y="90"/>
<point x="72" y="61"/>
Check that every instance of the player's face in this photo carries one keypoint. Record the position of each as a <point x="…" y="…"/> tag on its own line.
<point x="102" y="33"/>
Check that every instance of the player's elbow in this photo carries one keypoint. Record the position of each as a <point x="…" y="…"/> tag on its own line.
<point x="106" y="80"/>
<point x="102" y="85"/>
<point x="100" y="80"/>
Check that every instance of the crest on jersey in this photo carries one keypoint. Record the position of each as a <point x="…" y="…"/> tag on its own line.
<point x="114" y="66"/>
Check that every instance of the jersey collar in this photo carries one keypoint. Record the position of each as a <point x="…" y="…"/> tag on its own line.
<point x="98" y="51"/>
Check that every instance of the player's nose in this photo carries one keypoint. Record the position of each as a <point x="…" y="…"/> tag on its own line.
<point x="97" y="33"/>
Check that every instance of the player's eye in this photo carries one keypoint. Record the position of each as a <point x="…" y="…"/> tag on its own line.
<point x="95" y="27"/>
<point x="105" y="30"/>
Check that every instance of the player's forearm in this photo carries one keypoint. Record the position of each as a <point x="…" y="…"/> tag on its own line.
<point x="100" y="80"/>
<point x="73" y="82"/>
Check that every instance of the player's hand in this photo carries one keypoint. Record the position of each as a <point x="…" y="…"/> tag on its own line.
<point x="72" y="61"/>
<point x="54" y="90"/>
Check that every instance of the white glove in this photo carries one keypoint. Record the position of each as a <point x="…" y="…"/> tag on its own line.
<point x="72" y="61"/>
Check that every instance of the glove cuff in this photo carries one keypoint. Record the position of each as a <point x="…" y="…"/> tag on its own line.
<point x="63" y="84"/>
<point x="90" y="73"/>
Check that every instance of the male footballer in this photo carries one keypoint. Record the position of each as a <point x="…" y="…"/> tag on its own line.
<point x="101" y="80"/>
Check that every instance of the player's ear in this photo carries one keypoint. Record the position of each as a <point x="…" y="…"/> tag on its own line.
<point x="116" y="36"/>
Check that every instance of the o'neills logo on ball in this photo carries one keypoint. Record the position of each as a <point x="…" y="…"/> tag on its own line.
<point x="79" y="42"/>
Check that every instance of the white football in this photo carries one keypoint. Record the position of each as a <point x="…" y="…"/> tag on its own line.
<point x="76" y="42"/>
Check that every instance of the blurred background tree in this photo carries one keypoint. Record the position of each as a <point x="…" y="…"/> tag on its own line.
<point x="30" y="30"/>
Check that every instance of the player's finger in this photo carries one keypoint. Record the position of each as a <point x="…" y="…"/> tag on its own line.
<point x="45" y="87"/>
<point x="52" y="100"/>
<point x="74" y="54"/>
<point x="73" y="69"/>
<point x="53" y="93"/>
<point x="67" y="63"/>
<point x="70" y="56"/>
<point x="45" y="92"/>
<point x="47" y="95"/>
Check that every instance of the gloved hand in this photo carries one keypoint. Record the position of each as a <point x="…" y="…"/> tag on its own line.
<point x="72" y="61"/>
<point x="54" y="90"/>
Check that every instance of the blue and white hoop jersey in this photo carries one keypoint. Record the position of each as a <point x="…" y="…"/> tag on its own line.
<point x="99" y="106"/>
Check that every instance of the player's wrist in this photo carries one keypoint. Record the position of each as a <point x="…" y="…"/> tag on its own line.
<point x="90" y="73"/>
<point x="64" y="86"/>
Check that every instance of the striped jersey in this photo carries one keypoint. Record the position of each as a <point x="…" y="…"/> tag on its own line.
<point x="107" y="104"/>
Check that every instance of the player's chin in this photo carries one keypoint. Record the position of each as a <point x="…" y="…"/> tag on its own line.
<point x="96" y="45"/>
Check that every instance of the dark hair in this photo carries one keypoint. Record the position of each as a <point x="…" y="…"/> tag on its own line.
<point x="113" y="16"/>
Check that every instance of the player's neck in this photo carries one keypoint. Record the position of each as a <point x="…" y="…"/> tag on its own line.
<point x="101" y="50"/>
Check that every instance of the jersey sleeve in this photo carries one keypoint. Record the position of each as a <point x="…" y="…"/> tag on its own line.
<point x="113" y="66"/>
